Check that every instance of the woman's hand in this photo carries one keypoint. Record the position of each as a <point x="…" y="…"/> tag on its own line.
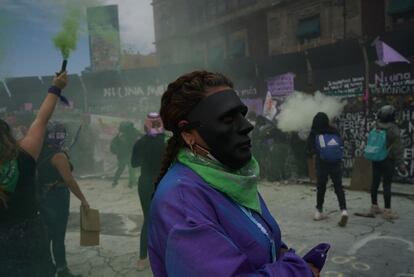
<point x="282" y="251"/>
<point x="61" y="80"/>
<point x="314" y="270"/>
<point x="85" y="205"/>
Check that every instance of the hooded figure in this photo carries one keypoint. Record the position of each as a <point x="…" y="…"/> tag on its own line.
<point x="121" y="146"/>
<point x="325" y="143"/>
<point x="385" y="169"/>
<point x="147" y="154"/>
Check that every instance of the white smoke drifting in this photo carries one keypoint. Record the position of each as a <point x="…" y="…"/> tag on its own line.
<point x="299" y="109"/>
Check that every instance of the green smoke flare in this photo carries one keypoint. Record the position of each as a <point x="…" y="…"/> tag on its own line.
<point x="67" y="38"/>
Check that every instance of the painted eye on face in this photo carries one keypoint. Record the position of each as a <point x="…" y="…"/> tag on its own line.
<point x="228" y="119"/>
<point x="232" y="115"/>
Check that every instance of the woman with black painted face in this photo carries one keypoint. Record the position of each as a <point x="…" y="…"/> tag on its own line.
<point x="207" y="217"/>
<point x="23" y="243"/>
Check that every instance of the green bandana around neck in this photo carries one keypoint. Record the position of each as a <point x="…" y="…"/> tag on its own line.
<point x="9" y="175"/>
<point x="240" y="185"/>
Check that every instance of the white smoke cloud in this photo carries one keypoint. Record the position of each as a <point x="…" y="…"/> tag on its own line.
<point x="299" y="109"/>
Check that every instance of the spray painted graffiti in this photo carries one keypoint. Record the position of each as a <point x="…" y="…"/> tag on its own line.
<point x="391" y="84"/>
<point x="137" y="91"/>
<point x="352" y="127"/>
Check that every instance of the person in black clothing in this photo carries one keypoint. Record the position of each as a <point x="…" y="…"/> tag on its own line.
<point x="121" y="146"/>
<point x="55" y="179"/>
<point x="147" y="154"/>
<point x="384" y="170"/>
<point x="23" y="243"/>
<point x="324" y="168"/>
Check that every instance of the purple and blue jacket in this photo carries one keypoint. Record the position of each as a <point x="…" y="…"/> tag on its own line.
<point x="196" y="230"/>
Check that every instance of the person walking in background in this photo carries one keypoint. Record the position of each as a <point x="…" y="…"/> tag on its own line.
<point x="326" y="144"/>
<point x="147" y="154"/>
<point x="385" y="151"/>
<point x="121" y="146"/>
<point x="24" y="249"/>
<point x="55" y="181"/>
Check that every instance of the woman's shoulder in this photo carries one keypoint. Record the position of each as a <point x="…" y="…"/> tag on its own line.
<point x="179" y="177"/>
<point x="182" y="185"/>
<point x="183" y="194"/>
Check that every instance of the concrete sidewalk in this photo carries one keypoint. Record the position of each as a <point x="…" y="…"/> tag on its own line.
<point x="396" y="188"/>
<point x="365" y="247"/>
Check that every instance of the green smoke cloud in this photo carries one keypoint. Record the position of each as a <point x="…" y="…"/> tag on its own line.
<point x="100" y="27"/>
<point x="67" y="38"/>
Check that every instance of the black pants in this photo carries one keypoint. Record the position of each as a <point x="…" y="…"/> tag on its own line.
<point x="145" y="191"/>
<point x="55" y="214"/>
<point x="24" y="251"/>
<point x="382" y="170"/>
<point x="122" y="163"/>
<point x="323" y="171"/>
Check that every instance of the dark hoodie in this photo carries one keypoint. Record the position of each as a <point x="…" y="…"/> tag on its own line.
<point x="396" y="151"/>
<point x="320" y="125"/>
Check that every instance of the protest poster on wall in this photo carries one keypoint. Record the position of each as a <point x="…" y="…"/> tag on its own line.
<point x="269" y="107"/>
<point x="281" y="85"/>
<point x="255" y="105"/>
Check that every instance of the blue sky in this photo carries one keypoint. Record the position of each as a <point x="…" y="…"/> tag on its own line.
<point x="26" y="37"/>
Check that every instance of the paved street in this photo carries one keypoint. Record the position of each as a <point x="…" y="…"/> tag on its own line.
<point x="366" y="247"/>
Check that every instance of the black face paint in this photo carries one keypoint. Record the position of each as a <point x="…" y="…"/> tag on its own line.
<point x="220" y="121"/>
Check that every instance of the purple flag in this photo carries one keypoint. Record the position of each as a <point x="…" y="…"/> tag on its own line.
<point x="386" y="54"/>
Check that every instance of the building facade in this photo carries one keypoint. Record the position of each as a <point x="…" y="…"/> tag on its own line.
<point x="213" y="30"/>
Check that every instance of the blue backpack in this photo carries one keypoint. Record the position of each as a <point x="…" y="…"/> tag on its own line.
<point x="376" y="148"/>
<point x="330" y="147"/>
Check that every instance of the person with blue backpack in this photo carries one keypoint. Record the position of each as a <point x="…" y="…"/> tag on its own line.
<point x="385" y="151"/>
<point x="325" y="143"/>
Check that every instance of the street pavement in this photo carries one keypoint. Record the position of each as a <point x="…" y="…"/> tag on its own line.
<point x="365" y="247"/>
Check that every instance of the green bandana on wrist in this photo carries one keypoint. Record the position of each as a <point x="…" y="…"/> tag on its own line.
<point x="9" y="175"/>
<point x="240" y="185"/>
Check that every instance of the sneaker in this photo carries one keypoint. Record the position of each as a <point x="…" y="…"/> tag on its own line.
<point x="388" y="214"/>
<point x="344" y="218"/>
<point x="375" y="210"/>
<point x="67" y="273"/>
<point x="319" y="215"/>
<point x="142" y="264"/>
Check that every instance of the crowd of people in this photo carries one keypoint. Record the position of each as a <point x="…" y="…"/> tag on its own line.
<point x="198" y="187"/>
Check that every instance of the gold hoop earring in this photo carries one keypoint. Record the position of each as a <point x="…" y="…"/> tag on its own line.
<point x="191" y="147"/>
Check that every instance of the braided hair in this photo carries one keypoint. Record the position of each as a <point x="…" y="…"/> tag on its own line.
<point x="177" y="102"/>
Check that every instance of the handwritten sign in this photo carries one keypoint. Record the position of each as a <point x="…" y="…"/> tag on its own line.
<point x="281" y="85"/>
<point x="344" y="87"/>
